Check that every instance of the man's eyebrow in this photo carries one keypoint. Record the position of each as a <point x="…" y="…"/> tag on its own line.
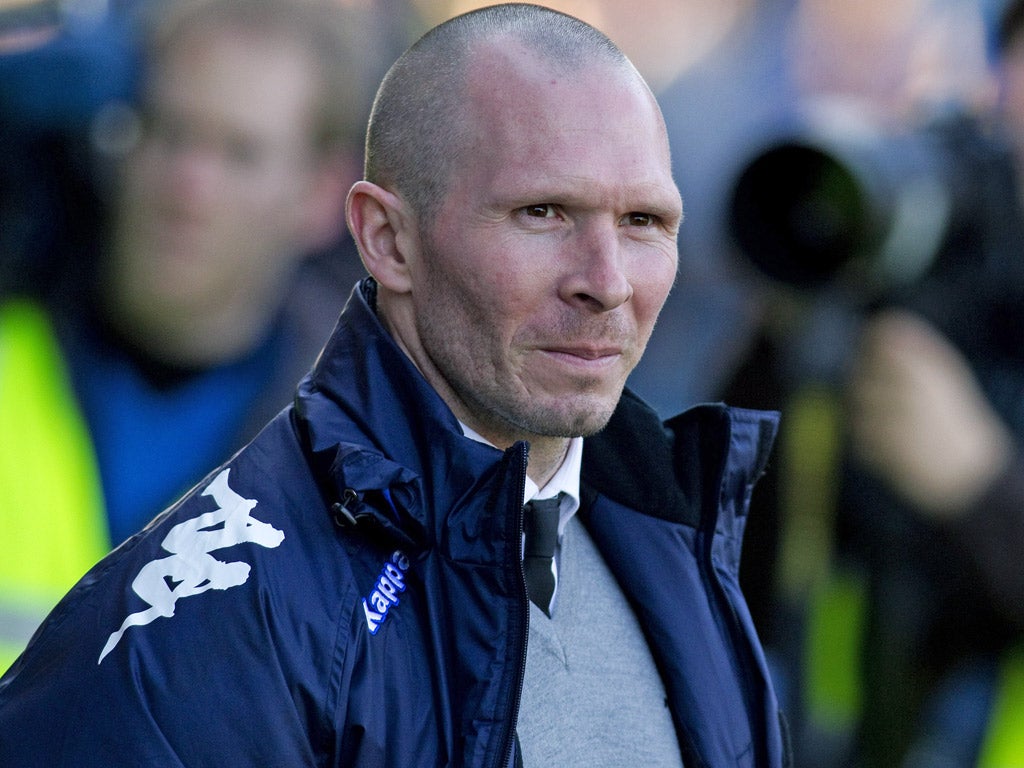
<point x="643" y="199"/>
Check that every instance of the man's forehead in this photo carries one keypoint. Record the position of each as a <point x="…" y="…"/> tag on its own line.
<point x="511" y="88"/>
<point x="513" y="85"/>
<point x="504" y="58"/>
<point x="233" y="68"/>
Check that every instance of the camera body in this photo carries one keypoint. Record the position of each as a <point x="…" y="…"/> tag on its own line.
<point x="855" y="218"/>
<point x="840" y="198"/>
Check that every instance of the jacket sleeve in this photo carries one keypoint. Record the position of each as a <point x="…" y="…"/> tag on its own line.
<point x="172" y="651"/>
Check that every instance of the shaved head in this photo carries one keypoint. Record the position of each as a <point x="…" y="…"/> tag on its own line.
<point x="418" y="131"/>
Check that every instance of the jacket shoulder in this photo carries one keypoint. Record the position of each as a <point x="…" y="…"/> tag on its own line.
<point x="196" y="614"/>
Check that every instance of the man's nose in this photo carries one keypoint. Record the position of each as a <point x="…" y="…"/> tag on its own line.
<point x="598" y="278"/>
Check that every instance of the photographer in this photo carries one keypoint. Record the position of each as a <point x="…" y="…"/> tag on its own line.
<point x="891" y="589"/>
<point x="940" y="425"/>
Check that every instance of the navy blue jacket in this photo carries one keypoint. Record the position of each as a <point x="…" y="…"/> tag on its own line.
<point x="347" y="590"/>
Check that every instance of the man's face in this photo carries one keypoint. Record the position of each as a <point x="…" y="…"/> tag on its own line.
<point x="542" y="275"/>
<point x="211" y="208"/>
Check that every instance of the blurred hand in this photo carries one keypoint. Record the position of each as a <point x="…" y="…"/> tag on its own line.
<point x="919" y="419"/>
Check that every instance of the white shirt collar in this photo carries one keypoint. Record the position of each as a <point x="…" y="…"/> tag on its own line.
<point x="566" y="479"/>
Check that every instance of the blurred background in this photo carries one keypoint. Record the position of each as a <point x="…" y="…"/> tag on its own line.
<point x="733" y="76"/>
<point x="851" y="256"/>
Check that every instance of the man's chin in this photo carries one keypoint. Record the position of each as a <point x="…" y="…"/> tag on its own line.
<point x="582" y="420"/>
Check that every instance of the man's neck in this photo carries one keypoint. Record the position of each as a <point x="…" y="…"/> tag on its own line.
<point x="546" y="456"/>
<point x="546" y="453"/>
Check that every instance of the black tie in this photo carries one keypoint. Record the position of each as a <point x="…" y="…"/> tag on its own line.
<point x="540" y="524"/>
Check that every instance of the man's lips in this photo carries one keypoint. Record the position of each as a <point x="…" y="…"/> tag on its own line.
<point x="585" y="352"/>
<point x="584" y="356"/>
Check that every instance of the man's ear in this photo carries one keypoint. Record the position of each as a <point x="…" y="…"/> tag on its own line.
<point x="385" y="233"/>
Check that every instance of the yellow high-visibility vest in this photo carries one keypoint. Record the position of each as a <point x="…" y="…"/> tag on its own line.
<point x="837" y="602"/>
<point x="53" y="525"/>
<point x="1004" y="740"/>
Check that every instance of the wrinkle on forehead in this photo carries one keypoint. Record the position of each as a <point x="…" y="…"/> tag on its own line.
<point x="508" y="81"/>
<point x="497" y="66"/>
<point x="547" y="110"/>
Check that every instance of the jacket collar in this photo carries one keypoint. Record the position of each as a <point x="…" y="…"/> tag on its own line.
<point x="686" y="470"/>
<point x="373" y="424"/>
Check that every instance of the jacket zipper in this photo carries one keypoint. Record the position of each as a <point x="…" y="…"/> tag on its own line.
<point x="524" y="611"/>
<point x="738" y="639"/>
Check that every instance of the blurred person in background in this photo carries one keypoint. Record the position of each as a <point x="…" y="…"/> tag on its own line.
<point x="936" y="414"/>
<point x="206" y="306"/>
<point x="897" y="368"/>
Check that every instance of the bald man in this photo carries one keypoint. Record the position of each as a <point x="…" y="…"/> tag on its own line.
<point x="463" y="544"/>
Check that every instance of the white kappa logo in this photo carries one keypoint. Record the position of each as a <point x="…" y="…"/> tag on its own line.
<point x="190" y="568"/>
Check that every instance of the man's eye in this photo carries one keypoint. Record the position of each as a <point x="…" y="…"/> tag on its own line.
<point x="540" y="211"/>
<point x="637" y="219"/>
